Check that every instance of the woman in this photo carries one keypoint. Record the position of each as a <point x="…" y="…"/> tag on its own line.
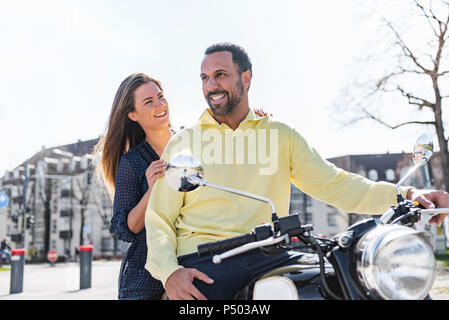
<point x="137" y="133"/>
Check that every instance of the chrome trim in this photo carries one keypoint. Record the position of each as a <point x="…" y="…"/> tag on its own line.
<point x="197" y="180"/>
<point x="368" y="246"/>
<point x="435" y="211"/>
<point x="387" y="216"/>
<point x="246" y="247"/>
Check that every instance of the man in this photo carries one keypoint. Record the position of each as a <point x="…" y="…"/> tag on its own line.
<point x="178" y="222"/>
<point x="4" y="248"/>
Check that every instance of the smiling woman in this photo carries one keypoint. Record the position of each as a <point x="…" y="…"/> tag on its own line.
<point x="129" y="152"/>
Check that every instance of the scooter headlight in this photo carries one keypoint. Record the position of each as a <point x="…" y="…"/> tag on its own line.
<point x="395" y="262"/>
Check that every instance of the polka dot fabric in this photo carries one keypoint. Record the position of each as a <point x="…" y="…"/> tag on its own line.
<point x="135" y="282"/>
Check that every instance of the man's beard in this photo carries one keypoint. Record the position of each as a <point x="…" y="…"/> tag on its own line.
<point x="233" y="100"/>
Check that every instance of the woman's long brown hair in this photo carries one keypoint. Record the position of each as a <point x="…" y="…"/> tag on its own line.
<point x="122" y="133"/>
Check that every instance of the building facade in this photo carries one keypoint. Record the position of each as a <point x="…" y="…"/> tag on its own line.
<point x="56" y="202"/>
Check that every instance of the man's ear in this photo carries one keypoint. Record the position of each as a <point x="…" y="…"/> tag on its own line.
<point x="132" y="116"/>
<point x="246" y="78"/>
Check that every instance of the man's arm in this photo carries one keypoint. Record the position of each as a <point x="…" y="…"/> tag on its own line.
<point x="351" y="192"/>
<point x="160" y="217"/>
<point x="163" y="209"/>
<point x="347" y="191"/>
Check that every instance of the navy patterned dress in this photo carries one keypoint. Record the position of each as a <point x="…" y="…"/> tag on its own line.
<point x="135" y="282"/>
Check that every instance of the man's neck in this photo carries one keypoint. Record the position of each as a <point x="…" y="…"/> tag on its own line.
<point x="233" y="119"/>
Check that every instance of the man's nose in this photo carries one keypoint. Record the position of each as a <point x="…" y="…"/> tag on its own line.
<point x="210" y="85"/>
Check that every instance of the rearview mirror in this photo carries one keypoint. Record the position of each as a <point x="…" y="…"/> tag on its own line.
<point x="423" y="149"/>
<point x="179" y="169"/>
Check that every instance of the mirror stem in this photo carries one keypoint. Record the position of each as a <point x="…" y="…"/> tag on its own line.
<point x="409" y="173"/>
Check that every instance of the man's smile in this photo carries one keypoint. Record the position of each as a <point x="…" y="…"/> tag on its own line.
<point x="217" y="97"/>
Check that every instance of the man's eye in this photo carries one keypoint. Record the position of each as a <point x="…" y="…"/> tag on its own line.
<point x="204" y="79"/>
<point x="149" y="101"/>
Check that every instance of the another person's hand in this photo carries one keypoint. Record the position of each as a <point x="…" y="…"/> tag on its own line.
<point x="154" y="171"/>
<point x="429" y="199"/>
<point x="261" y="113"/>
<point x="179" y="286"/>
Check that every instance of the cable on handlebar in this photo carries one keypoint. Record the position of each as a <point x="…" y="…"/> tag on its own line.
<point x="322" y="271"/>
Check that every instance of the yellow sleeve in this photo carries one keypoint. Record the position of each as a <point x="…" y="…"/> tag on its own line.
<point x="344" y="190"/>
<point x="160" y="218"/>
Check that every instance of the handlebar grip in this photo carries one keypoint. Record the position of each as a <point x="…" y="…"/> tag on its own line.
<point x="211" y="248"/>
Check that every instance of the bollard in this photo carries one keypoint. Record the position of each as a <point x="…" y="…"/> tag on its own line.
<point x="85" y="266"/>
<point x="17" y="264"/>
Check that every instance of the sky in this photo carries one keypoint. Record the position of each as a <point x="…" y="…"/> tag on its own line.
<point x="62" y="61"/>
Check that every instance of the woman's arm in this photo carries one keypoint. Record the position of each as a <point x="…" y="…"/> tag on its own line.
<point x="136" y="217"/>
<point x="128" y="194"/>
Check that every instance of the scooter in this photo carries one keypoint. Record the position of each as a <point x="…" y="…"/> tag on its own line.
<point x="374" y="259"/>
<point x="5" y="257"/>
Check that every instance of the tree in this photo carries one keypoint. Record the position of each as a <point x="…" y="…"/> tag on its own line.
<point x="416" y="72"/>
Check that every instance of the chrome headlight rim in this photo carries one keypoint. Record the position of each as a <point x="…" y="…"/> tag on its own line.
<point x="369" y="247"/>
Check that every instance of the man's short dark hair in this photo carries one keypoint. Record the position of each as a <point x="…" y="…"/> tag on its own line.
<point x="239" y="55"/>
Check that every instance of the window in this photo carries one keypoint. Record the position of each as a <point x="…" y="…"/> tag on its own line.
<point x="372" y="175"/>
<point x="331" y="219"/>
<point x="54" y="226"/>
<point x="389" y="174"/>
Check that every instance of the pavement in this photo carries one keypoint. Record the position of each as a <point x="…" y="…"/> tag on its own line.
<point x="61" y="282"/>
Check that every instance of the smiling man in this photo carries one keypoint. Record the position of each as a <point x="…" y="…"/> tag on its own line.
<point x="178" y="222"/>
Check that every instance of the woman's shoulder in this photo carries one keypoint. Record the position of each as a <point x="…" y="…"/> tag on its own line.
<point x="140" y="156"/>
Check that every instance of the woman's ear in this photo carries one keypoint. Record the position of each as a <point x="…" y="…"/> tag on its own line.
<point x="132" y="116"/>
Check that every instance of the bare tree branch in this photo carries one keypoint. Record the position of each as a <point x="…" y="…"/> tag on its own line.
<point x="428" y="17"/>
<point x="405" y="48"/>
<point x="415" y="100"/>
<point x="371" y="116"/>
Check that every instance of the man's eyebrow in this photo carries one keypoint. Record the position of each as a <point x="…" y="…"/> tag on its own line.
<point x="149" y="98"/>
<point x="215" y="71"/>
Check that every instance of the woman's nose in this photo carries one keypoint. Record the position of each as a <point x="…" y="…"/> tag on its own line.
<point x="162" y="102"/>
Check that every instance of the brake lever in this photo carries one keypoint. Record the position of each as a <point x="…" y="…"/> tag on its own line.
<point x="436" y="211"/>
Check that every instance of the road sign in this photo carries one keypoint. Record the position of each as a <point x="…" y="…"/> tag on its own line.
<point x="3" y="200"/>
<point x="52" y="256"/>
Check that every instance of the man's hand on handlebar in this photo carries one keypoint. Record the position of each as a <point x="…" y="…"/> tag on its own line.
<point x="179" y="285"/>
<point x="429" y="199"/>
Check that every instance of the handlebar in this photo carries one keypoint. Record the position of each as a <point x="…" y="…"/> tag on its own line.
<point x="224" y="245"/>
<point x="247" y="247"/>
